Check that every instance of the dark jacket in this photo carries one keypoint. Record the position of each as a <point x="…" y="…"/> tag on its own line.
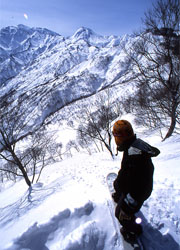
<point x="136" y="174"/>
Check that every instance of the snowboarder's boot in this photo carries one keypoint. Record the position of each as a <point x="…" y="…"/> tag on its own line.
<point x="130" y="237"/>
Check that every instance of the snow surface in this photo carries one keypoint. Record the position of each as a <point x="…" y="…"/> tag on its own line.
<point x="46" y="71"/>
<point x="67" y="209"/>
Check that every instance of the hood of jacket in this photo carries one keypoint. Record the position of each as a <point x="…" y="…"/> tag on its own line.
<point x="145" y="147"/>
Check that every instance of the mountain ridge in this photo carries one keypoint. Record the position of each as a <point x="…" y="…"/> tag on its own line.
<point x="47" y="71"/>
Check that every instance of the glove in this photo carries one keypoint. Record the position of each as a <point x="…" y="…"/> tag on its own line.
<point x="121" y="211"/>
<point x="123" y="216"/>
<point x="129" y="205"/>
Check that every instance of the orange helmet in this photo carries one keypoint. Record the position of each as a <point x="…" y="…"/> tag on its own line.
<point x="122" y="131"/>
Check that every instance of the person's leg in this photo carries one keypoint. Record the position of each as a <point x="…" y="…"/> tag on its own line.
<point x="127" y="221"/>
<point x="131" y="226"/>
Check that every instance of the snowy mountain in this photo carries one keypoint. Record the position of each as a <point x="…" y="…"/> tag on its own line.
<point x="20" y="46"/>
<point x="67" y="209"/>
<point x="48" y="71"/>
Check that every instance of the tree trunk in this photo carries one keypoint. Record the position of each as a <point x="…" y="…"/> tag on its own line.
<point x="172" y="127"/>
<point x="109" y="149"/>
<point x="20" y="166"/>
<point x="28" y="182"/>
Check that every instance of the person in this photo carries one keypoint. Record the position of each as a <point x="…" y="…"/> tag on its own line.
<point x="134" y="182"/>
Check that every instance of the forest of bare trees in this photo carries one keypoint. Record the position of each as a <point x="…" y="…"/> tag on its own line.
<point x="155" y="66"/>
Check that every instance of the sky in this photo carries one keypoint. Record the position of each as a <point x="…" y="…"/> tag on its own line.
<point x="105" y="17"/>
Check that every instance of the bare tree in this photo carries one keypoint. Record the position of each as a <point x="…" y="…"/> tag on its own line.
<point x="19" y="160"/>
<point x="96" y="122"/>
<point x="155" y="62"/>
<point x="12" y="127"/>
<point x="42" y="150"/>
<point x="72" y="145"/>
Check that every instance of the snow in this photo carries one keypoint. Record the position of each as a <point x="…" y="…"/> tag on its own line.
<point x="47" y="71"/>
<point x="67" y="209"/>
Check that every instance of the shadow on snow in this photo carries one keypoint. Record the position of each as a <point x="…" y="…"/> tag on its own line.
<point x="153" y="239"/>
<point x="71" y="235"/>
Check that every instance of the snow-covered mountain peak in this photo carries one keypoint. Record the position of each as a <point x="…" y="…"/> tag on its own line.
<point x="84" y="33"/>
<point x="20" y="46"/>
<point x="12" y="37"/>
<point x="91" y="37"/>
<point x="57" y="70"/>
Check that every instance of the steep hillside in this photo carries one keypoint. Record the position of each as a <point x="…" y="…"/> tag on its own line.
<point x="45" y="71"/>
<point x="20" y="46"/>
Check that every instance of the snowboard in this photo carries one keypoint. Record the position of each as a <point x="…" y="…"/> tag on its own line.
<point x="136" y="245"/>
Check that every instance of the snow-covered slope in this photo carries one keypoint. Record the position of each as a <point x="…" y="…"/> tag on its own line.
<point x="67" y="209"/>
<point x="20" y="46"/>
<point x="46" y="71"/>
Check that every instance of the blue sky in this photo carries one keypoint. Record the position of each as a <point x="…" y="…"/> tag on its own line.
<point x="105" y="17"/>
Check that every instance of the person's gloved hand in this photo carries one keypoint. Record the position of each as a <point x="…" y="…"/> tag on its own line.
<point x="123" y="216"/>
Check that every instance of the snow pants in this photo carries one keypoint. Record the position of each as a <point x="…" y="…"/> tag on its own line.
<point x="128" y="222"/>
